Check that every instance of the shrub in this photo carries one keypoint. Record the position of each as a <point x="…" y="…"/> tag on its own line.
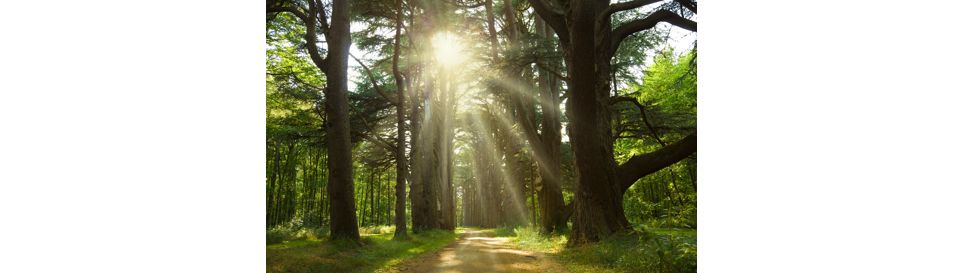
<point x="287" y="233"/>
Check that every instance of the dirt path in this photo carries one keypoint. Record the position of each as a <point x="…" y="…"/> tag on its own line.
<point x="476" y="251"/>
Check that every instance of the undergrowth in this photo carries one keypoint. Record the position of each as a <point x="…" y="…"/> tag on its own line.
<point x="375" y="253"/>
<point x="283" y="233"/>
<point x="647" y="250"/>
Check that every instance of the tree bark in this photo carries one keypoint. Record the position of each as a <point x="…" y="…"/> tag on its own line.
<point x="585" y="35"/>
<point x="641" y="165"/>
<point x="343" y="217"/>
<point x="400" y="213"/>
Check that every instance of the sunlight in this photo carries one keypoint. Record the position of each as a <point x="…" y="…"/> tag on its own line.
<point x="448" y="49"/>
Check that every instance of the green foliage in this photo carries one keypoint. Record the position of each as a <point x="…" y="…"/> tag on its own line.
<point x="664" y="199"/>
<point x="375" y="253"/>
<point x="648" y="250"/>
<point x="381" y="229"/>
<point x="530" y="239"/>
<point x="633" y="50"/>
<point x="668" y="93"/>
<point x="286" y="233"/>
<point x="671" y="83"/>
<point x="504" y="231"/>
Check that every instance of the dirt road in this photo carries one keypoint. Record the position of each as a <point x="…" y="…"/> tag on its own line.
<point x="477" y="251"/>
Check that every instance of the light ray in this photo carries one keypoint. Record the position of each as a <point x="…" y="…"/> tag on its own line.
<point x="448" y="50"/>
<point x="492" y="152"/>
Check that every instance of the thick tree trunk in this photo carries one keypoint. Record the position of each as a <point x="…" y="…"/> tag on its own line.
<point x="598" y="208"/>
<point x="343" y="217"/>
<point x="400" y="213"/>
<point x="589" y="44"/>
<point x="426" y="186"/>
<point x="427" y="209"/>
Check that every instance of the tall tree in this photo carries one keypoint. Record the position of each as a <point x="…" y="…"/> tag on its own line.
<point x="589" y="43"/>
<point x="340" y="187"/>
<point x="552" y="209"/>
<point x="400" y="216"/>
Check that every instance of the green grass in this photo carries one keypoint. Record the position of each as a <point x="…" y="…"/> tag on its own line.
<point x="648" y="250"/>
<point x="377" y="252"/>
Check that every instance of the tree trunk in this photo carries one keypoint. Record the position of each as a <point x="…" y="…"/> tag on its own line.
<point x="400" y="214"/>
<point x="271" y="190"/>
<point x="418" y="187"/>
<point x="598" y="208"/>
<point x="447" y="203"/>
<point x="343" y="217"/>
<point x="588" y="49"/>
<point x="551" y="196"/>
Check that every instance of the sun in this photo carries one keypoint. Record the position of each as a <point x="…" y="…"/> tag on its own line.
<point x="447" y="49"/>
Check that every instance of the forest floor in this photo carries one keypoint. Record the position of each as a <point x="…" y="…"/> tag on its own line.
<point x="376" y="253"/>
<point x="480" y="251"/>
<point x="646" y="250"/>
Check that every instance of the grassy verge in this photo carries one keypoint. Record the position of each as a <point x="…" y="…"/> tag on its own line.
<point x="377" y="252"/>
<point x="648" y="250"/>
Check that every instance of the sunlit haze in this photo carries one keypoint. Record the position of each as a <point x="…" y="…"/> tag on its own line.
<point x="447" y="49"/>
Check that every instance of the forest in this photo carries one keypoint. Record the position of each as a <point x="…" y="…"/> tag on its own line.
<point x="558" y="134"/>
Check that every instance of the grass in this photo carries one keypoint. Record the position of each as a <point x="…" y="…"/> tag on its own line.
<point x="647" y="250"/>
<point x="375" y="253"/>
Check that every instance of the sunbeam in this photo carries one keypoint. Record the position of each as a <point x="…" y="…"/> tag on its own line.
<point x="498" y="115"/>
<point x="448" y="49"/>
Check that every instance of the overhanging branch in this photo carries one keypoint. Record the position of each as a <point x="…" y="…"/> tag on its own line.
<point x="622" y="6"/>
<point x="553" y="17"/>
<point x="642" y="165"/>
<point x="309" y="20"/>
<point x="292" y="10"/>
<point x="643" y="113"/>
<point x="649" y="22"/>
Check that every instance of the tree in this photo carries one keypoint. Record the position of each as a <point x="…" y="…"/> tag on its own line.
<point x="340" y="188"/>
<point x="400" y="220"/>
<point x="589" y="43"/>
<point x="552" y="209"/>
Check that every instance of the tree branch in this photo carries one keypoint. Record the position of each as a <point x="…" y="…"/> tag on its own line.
<point x="292" y="10"/>
<point x="374" y="81"/>
<point x="692" y="6"/>
<point x="622" y="6"/>
<point x="460" y="4"/>
<point x="650" y="21"/>
<point x="641" y="165"/>
<point x="378" y="140"/>
<point x="310" y="21"/>
<point x="552" y="71"/>
<point x="553" y="17"/>
<point x="322" y="13"/>
<point x="643" y="113"/>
